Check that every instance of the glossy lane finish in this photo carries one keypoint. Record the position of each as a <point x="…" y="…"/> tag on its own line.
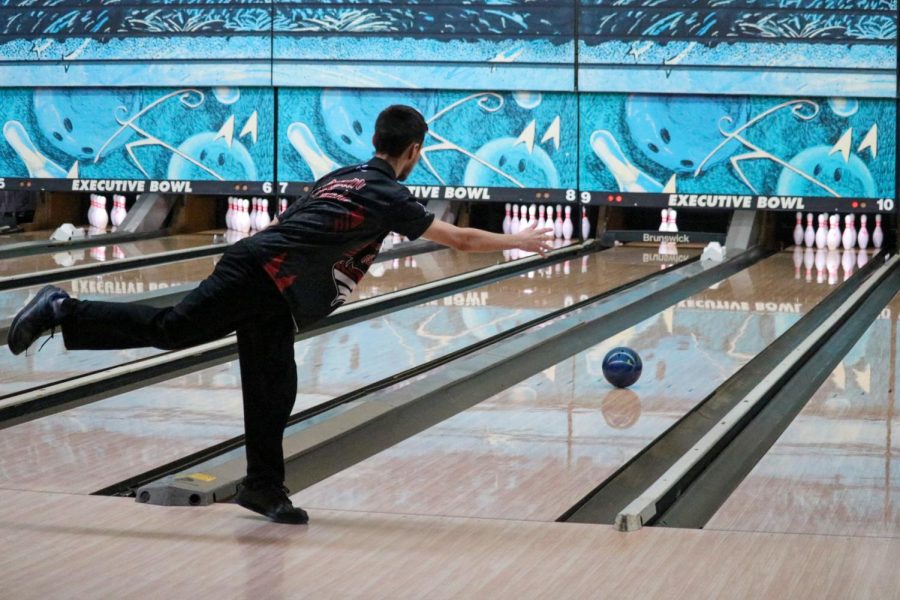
<point x="54" y="363"/>
<point x="65" y="546"/>
<point x="534" y="450"/>
<point x="836" y="469"/>
<point x="91" y="447"/>
<point x="38" y="263"/>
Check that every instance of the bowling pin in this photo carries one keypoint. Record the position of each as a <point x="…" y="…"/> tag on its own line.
<point x="877" y="234"/>
<point x="542" y="220"/>
<point x="568" y="227"/>
<point x="118" y="213"/>
<point x="798" y="231"/>
<point x="558" y="224"/>
<point x="523" y="217"/>
<point x="92" y="209"/>
<point x="229" y="213"/>
<point x="673" y="224"/>
<point x="101" y="216"/>
<point x="514" y="223"/>
<point x="253" y="212"/>
<point x="834" y="232"/>
<point x="809" y="256"/>
<point x="245" y="217"/>
<point x="585" y="225"/>
<point x="282" y="205"/>
<point x="549" y="221"/>
<point x="822" y="232"/>
<point x="863" y="236"/>
<point x="507" y="220"/>
<point x="532" y="215"/>
<point x="798" y="260"/>
<point x="262" y="219"/>
<point x="664" y="220"/>
<point x="848" y="239"/>
<point x="809" y="236"/>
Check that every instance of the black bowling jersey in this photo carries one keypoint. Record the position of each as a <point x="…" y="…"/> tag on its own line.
<point x="324" y="243"/>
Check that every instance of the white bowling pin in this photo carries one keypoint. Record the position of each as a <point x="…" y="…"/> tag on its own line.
<point x="514" y="223"/>
<point x="834" y="232"/>
<point x="558" y="224"/>
<point x="863" y="236"/>
<point x="262" y="218"/>
<point x="798" y="231"/>
<point x="673" y="224"/>
<point x="822" y="232"/>
<point x="507" y="220"/>
<point x="809" y="236"/>
<point x="229" y="213"/>
<point x="523" y="217"/>
<point x="568" y="227"/>
<point x="92" y="209"/>
<point x="877" y="234"/>
<point x="118" y="213"/>
<point x="664" y="220"/>
<point x="101" y="216"/>
<point x="532" y="215"/>
<point x="253" y="212"/>
<point x="542" y="219"/>
<point x="549" y="221"/>
<point x="245" y="217"/>
<point x="848" y="239"/>
<point x="809" y="257"/>
<point x="585" y="225"/>
<point x="282" y="205"/>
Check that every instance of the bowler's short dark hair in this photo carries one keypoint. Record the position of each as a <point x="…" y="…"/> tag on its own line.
<point x="397" y="127"/>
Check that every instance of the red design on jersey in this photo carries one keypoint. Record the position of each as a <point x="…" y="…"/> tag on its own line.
<point x="273" y="267"/>
<point x="346" y="275"/>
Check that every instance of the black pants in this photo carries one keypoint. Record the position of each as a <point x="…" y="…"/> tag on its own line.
<point x="238" y="296"/>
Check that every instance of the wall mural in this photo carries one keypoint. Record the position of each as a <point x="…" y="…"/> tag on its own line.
<point x="490" y="139"/>
<point x="220" y="134"/>
<point x="746" y="47"/>
<point x="837" y="147"/>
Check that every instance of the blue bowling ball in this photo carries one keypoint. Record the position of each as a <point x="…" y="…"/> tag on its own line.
<point x="622" y="367"/>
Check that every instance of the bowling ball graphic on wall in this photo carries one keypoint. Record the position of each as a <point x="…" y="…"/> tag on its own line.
<point x="230" y="163"/>
<point x="349" y="116"/>
<point x="847" y="178"/>
<point x="622" y="367"/>
<point x="678" y="132"/>
<point x="80" y="122"/>
<point x="531" y="169"/>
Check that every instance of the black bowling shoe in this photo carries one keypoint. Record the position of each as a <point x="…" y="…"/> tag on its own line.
<point x="271" y="501"/>
<point x="37" y="317"/>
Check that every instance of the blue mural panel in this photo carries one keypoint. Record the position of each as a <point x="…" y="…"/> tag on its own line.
<point x="216" y="135"/>
<point x="465" y="45"/>
<point x="810" y="147"/>
<point x="101" y="42"/>
<point x="517" y="140"/>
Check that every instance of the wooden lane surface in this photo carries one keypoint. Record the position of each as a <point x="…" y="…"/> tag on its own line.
<point x="534" y="450"/>
<point x="37" y="263"/>
<point x="835" y="469"/>
<point x="54" y="363"/>
<point x="65" y="546"/>
<point x="93" y="446"/>
<point x="25" y="236"/>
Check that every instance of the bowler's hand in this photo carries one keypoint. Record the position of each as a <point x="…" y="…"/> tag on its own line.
<point x="532" y="239"/>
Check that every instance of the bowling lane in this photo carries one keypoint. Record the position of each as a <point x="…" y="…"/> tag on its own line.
<point x="59" y="261"/>
<point x="54" y="363"/>
<point x="834" y="470"/>
<point x="534" y="450"/>
<point x="94" y="446"/>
